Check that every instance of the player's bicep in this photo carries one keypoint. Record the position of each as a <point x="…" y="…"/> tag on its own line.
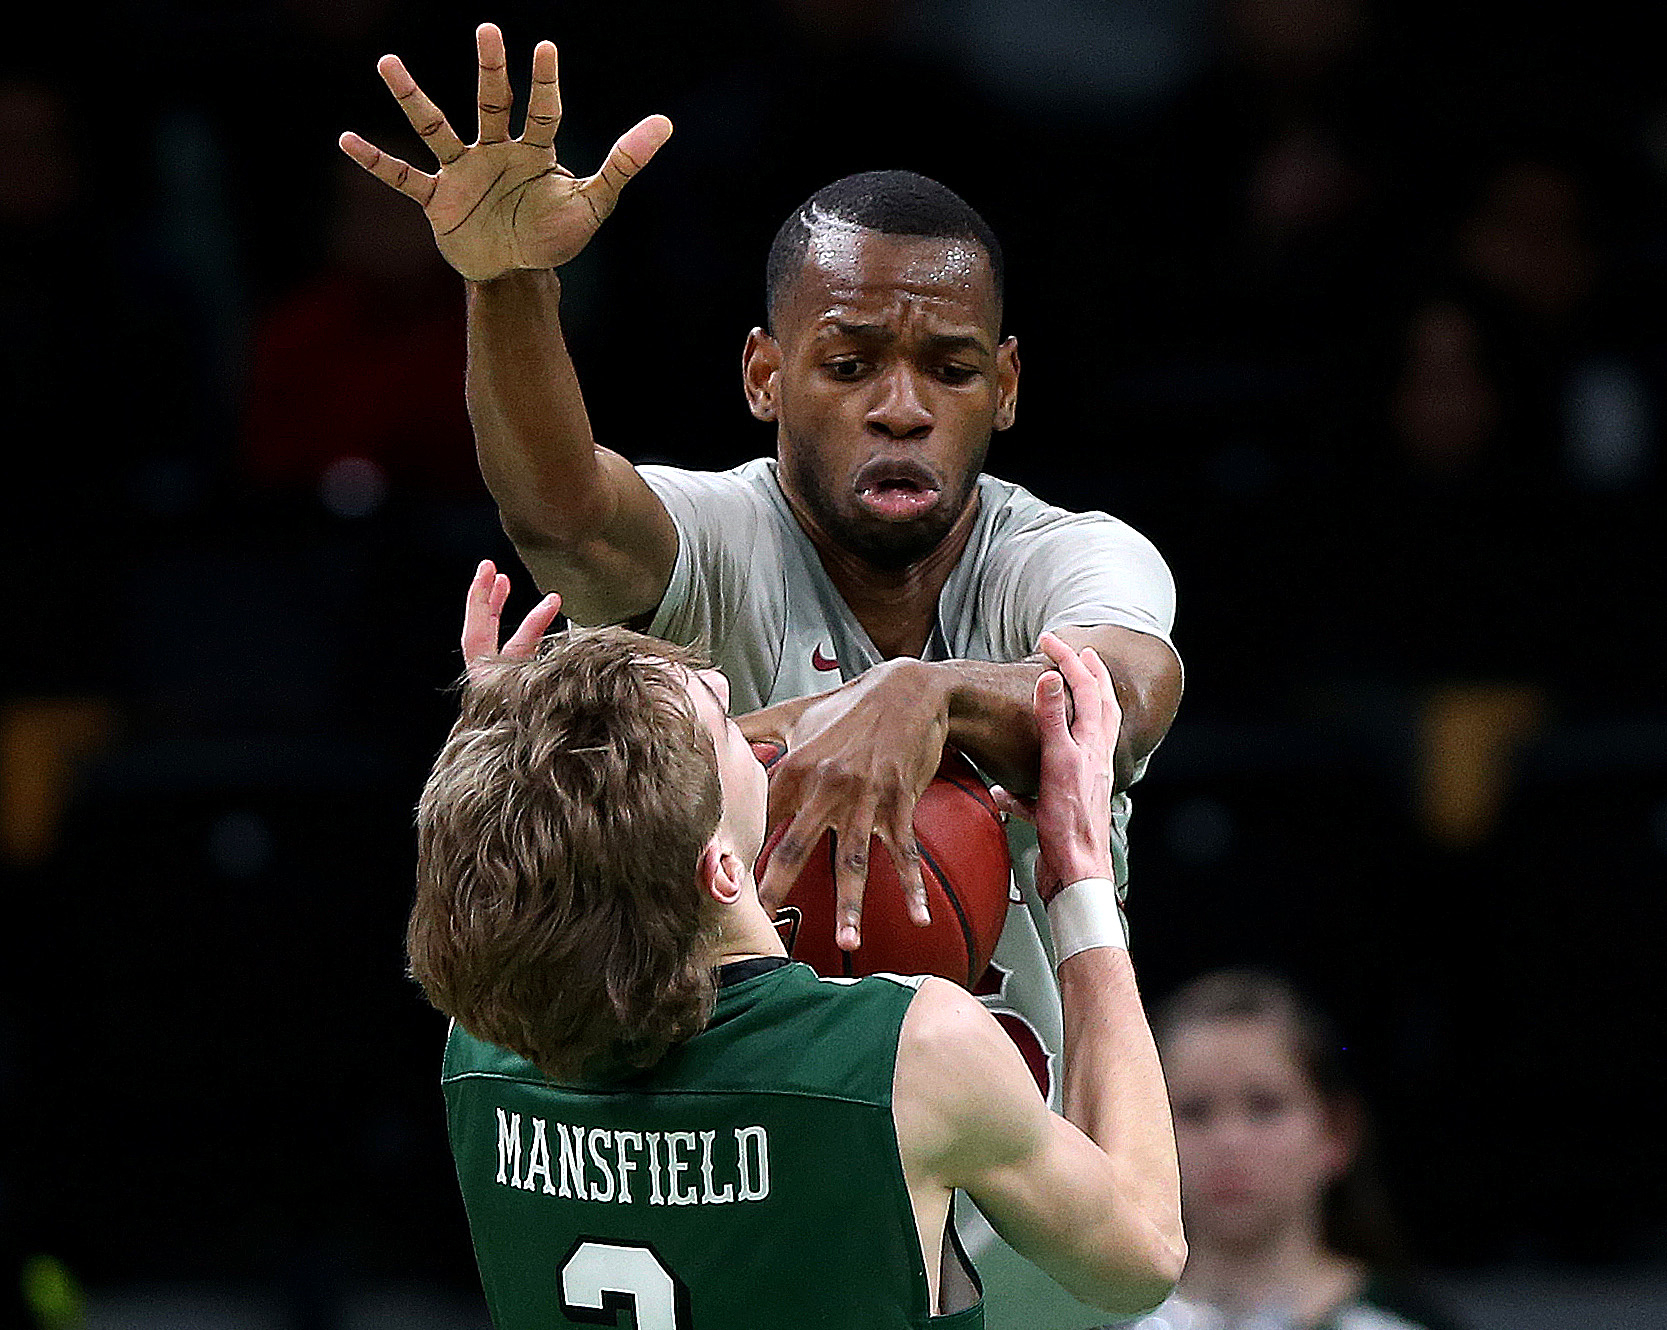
<point x="620" y="567"/>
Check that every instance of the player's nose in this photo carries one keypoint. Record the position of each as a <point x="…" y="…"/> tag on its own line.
<point x="900" y="410"/>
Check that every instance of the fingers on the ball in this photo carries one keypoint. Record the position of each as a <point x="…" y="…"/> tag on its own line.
<point x="914" y="895"/>
<point x="897" y="836"/>
<point x="390" y="170"/>
<point x="544" y="98"/>
<point x="492" y="96"/>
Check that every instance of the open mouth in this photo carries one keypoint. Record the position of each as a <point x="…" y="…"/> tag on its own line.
<point x="897" y="489"/>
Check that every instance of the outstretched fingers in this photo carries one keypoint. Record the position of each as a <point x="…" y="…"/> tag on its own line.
<point x="628" y="156"/>
<point x="526" y="638"/>
<point x="391" y="171"/>
<point x="424" y="115"/>
<point x="481" y="610"/>
<point x="493" y="95"/>
<point x="483" y="614"/>
<point x="544" y="100"/>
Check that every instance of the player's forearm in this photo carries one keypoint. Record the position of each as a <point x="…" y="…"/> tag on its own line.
<point x="1114" y="1091"/>
<point x="990" y="718"/>
<point x="532" y="435"/>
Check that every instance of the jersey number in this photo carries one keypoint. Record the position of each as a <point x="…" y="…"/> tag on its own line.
<point x="599" y="1280"/>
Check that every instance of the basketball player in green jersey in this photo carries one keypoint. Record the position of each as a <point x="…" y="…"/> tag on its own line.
<point x="868" y="591"/>
<point x="652" y="1110"/>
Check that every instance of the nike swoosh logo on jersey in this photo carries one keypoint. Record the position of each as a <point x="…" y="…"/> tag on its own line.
<point x="822" y="662"/>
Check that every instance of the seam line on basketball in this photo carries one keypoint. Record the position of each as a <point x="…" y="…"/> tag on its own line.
<point x="960" y="914"/>
<point x="980" y="794"/>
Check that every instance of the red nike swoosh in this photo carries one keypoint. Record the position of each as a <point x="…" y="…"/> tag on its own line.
<point x="821" y="662"/>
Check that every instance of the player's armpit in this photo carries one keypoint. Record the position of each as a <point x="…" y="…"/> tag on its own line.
<point x="613" y="560"/>
<point x="969" y="1115"/>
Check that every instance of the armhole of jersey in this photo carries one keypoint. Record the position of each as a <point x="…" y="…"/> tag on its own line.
<point x="959" y="1287"/>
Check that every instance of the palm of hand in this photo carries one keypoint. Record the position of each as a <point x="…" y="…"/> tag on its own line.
<point x="502" y="204"/>
<point x="509" y="205"/>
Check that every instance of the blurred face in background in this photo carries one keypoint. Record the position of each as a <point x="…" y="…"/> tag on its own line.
<point x="1258" y="1144"/>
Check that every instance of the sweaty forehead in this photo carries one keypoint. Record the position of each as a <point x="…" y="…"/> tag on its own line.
<point x="848" y="266"/>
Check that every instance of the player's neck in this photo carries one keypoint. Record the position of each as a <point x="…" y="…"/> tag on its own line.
<point x="1294" y="1271"/>
<point x="896" y="607"/>
<point x="747" y="933"/>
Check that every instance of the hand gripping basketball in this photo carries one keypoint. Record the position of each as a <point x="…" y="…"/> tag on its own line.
<point x="964" y="867"/>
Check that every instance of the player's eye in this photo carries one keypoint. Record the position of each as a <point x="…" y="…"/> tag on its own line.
<point x="849" y="368"/>
<point x="957" y="374"/>
<point x="1265" y="1106"/>
<point x="1193" y="1112"/>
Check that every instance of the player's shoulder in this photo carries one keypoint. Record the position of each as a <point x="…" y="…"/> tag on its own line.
<point x="750" y="482"/>
<point x="961" y="1093"/>
<point x="947" y="1028"/>
<point x="1011" y="511"/>
<point x="796" y="1002"/>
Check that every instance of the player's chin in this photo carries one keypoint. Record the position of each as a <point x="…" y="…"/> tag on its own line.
<point x="1239" y="1220"/>
<point x="891" y="543"/>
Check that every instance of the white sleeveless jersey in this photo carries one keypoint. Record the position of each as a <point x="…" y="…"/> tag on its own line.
<point x="749" y="589"/>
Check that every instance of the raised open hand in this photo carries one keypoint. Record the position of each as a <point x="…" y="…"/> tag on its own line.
<point x="501" y="204"/>
<point x="482" y="610"/>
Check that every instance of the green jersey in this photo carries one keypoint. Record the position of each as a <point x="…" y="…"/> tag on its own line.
<point x="750" y="1179"/>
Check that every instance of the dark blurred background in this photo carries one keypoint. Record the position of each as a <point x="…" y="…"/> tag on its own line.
<point x="1355" y="308"/>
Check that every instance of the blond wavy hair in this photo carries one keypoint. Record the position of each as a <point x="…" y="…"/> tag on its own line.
<point x="558" y="912"/>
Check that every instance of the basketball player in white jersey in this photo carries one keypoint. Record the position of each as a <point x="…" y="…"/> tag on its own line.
<point x="869" y="592"/>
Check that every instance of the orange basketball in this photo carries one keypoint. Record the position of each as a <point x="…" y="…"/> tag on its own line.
<point x="963" y="863"/>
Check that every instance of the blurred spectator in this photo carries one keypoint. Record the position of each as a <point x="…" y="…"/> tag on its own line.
<point x="1285" y="1221"/>
<point x="357" y="380"/>
<point x="1268" y="185"/>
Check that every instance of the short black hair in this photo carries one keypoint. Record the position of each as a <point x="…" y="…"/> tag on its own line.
<point x="898" y="203"/>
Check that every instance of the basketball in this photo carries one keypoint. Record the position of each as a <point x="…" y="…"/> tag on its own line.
<point x="965" y="868"/>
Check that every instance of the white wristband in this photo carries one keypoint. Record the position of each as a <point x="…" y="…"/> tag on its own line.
<point x="1085" y="915"/>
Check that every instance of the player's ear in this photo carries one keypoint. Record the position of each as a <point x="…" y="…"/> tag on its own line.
<point x="722" y="874"/>
<point x="1007" y="383"/>
<point x="761" y="373"/>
